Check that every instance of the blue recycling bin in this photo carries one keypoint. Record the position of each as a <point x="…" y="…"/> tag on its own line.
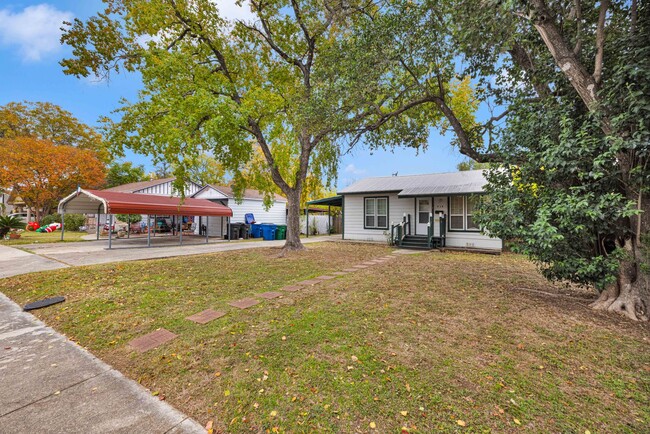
<point x="256" y="230"/>
<point x="268" y="231"/>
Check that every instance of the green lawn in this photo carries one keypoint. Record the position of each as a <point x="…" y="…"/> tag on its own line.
<point x="448" y="342"/>
<point x="38" y="237"/>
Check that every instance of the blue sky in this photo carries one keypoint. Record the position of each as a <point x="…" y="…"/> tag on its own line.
<point x="29" y="70"/>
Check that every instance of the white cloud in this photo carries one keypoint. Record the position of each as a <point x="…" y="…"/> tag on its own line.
<point x="35" y="30"/>
<point x="351" y="168"/>
<point x="230" y="10"/>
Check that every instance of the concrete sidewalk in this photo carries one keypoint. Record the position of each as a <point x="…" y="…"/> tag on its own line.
<point x="48" y="384"/>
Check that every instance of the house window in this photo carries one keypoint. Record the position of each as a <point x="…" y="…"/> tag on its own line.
<point x="461" y="213"/>
<point x="376" y="213"/>
<point x="457" y="213"/>
<point x="472" y="202"/>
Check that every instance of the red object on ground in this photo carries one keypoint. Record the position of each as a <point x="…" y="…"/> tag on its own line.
<point x="32" y="226"/>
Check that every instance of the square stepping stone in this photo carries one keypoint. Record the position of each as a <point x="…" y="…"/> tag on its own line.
<point x="309" y="282"/>
<point x="152" y="340"/>
<point x="325" y="277"/>
<point x="291" y="288"/>
<point x="340" y="273"/>
<point x="206" y="316"/>
<point x="270" y="294"/>
<point x="244" y="303"/>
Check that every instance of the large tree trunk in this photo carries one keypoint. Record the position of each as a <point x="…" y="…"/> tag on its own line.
<point x="630" y="295"/>
<point x="293" y="221"/>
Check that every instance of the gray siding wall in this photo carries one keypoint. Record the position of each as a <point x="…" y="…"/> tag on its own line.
<point x="354" y="218"/>
<point x="276" y="214"/>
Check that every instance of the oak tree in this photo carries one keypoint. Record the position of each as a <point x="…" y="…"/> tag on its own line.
<point x="47" y="121"/>
<point x="42" y="173"/>
<point x="302" y="81"/>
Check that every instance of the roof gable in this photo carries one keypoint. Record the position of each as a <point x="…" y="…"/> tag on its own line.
<point x="228" y="193"/>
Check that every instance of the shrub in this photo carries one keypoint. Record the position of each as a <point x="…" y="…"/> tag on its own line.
<point x="72" y="221"/>
<point x="129" y="218"/>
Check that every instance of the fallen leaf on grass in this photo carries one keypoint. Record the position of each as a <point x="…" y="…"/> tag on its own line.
<point x="461" y="422"/>
<point x="515" y="420"/>
<point x="208" y="427"/>
<point x="226" y="393"/>
<point x="404" y="413"/>
<point x="274" y="413"/>
<point x="373" y="425"/>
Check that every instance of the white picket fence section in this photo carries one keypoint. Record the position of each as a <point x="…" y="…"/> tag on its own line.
<point x="317" y="221"/>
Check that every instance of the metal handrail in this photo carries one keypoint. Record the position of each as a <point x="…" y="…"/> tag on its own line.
<point x="401" y="233"/>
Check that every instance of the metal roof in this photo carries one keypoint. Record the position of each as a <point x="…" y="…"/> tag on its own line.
<point x="248" y="193"/>
<point x="132" y="187"/>
<point x="113" y="202"/>
<point x="432" y="184"/>
<point x="329" y="201"/>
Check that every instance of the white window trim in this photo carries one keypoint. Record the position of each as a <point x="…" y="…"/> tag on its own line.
<point x="464" y="215"/>
<point x="375" y="212"/>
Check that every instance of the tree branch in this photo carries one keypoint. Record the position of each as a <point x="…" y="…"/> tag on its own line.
<point x="600" y="41"/>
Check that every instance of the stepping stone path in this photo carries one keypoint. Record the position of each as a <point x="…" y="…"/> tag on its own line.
<point x="291" y="288"/>
<point x="206" y="316"/>
<point x="325" y="277"/>
<point x="309" y="282"/>
<point x="270" y="295"/>
<point x="152" y="340"/>
<point x="244" y="303"/>
<point x="161" y="336"/>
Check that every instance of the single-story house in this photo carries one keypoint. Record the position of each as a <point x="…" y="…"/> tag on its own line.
<point x="252" y="202"/>
<point x="373" y="205"/>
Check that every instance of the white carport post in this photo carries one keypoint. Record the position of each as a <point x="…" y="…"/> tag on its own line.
<point x="97" y="220"/>
<point x="148" y="230"/>
<point x="180" y="229"/>
<point x="110" y="230"/>
<point x="206" y="229"/>
<point x="62" y="221"/>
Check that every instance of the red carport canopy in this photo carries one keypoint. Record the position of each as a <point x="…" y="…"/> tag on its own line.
<point x="113" y="202"/>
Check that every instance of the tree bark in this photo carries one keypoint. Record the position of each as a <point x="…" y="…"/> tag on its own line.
<point x="293" y="222"/>
<point x="630" y="295"/>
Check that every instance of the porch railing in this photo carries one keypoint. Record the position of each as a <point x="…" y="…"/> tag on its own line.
<point x="440" y="240"/>
<point x="400" y="230"/>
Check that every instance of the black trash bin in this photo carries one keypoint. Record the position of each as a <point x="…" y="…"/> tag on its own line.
<point x="233" y="232"/>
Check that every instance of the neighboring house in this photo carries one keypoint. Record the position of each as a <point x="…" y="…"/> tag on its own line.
<point x="159" y="187"/>
<point x="5" y="206"/>
<point x="372" y="205"/>
<point x="252" y="202"/>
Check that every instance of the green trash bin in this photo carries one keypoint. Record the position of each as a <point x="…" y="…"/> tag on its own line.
<point x="281" y="232"/>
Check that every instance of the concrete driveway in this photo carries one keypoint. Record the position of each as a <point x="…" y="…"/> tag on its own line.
<point x="15" y="261"/>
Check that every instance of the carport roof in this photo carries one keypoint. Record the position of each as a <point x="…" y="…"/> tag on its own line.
<point x="112" y="202"/>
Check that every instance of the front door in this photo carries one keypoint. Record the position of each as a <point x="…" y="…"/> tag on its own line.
<point x="423" y="211"/>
